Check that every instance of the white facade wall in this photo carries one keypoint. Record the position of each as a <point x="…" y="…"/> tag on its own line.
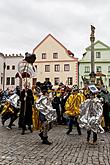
<point x="9" y="60"/>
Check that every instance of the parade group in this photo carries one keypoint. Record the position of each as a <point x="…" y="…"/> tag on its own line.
<point x="42" y="106"/>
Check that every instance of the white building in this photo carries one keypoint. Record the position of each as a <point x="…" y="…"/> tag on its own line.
<point x="8" y="70"/>
<point x="101" y="63"/>
<point x="55" y="62"/>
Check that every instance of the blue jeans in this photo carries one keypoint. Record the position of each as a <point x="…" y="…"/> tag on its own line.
<point x="73" y="121"/>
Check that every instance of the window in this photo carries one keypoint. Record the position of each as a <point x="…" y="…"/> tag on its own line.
<point x="55" y="55"/>
<point x="8" y="81"/>
<point x="87" y="69"/>
<point x="109" y="83"/>
<point x="8" y="67"/>
<point x="34" y="80"/>
<point x="43" y="55"/>
<point x="66" y="67"/>
<point x="57" y="68"/>
<point x="98" y="55"/>
<point x="47" y="68"/>
<point x="13" y="67"/>
<point x="1" y="80"/>
<point x="98" y="68"/>
<point x="56" y="80"/>
<point x="12" y="80"/>
<point x="108" y="68"/>
<point x="70" y="81"/>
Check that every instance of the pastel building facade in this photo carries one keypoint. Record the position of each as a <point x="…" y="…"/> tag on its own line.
<point x="101" y="63"/>
<point x="55" y="63"/>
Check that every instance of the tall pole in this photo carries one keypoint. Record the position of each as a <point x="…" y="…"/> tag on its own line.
<point x="4" y="66"/>
<point x="92" y="39"/>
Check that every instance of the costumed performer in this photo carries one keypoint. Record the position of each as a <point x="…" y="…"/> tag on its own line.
<point x="72" y="108"/>
<point x="90" y="114"/>
<point x="46" y="114"/>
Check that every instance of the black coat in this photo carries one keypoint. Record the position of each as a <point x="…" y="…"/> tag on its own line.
<point x="26" y="107"/>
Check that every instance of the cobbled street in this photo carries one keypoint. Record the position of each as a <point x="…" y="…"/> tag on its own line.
<point x="17" y="149"/>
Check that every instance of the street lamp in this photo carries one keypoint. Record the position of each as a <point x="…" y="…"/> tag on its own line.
<point x="92" y="39"/>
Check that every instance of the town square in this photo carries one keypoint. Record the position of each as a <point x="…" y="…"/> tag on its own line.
<point x="54" y="82"/>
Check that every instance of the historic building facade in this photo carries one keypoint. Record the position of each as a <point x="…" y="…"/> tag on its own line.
<point x="55" y="63"/>
<point x="101" y="63"/>
<point x="8" y="70"/>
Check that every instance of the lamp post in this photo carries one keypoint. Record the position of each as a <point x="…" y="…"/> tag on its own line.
<point x="92" y="39"/>
<point x="4" y="67"/>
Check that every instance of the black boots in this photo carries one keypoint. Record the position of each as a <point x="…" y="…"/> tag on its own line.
<point x="45" y="141"/>
<point x="94" y="137"/>
<point x="24" y="129"/>
<point x="68" y="132"/>
<point x="30" y="129"/>
<point x="3" y="122"/>
<point x="41" y="135"/>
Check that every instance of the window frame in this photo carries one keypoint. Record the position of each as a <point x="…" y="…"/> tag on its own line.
<point x="12" y="80"/>
<point x="55" y="55"/>
<point x="68" y="67"/>
<point x="47" y="68"/>
<point x="7" y="80"/>
<point x="70" y="80"/>
<point x="98" y="54"/>
<point x="109" y="69"/>
<point x="8" y="67"/>
<point x="44" y="55"/>
<point x="13" y="67"/>
<point x="87" y="69"/>
<point x="57" y="67"/>
<point x="100" y="70"/>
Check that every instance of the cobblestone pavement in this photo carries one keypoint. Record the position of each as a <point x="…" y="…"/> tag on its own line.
<point x="17" y="149"/>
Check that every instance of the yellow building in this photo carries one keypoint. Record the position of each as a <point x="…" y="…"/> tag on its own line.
<point x="55" y="62"/>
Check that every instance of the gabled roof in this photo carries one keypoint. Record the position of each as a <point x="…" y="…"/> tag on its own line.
<point x="99" y="42"/>
<point x="49" y="35"/>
